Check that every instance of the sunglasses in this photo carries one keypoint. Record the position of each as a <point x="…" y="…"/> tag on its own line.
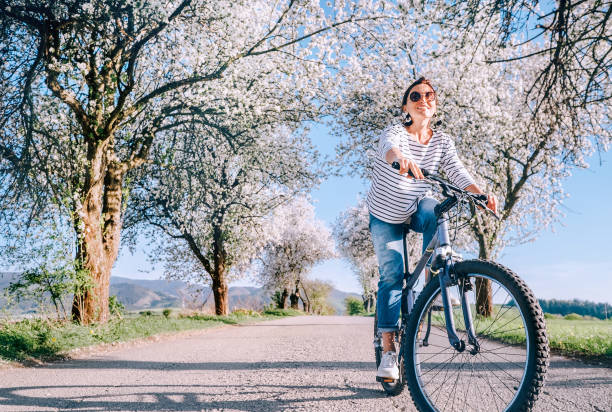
<point x="416" y="96"/>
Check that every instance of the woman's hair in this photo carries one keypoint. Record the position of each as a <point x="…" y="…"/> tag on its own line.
<point x="420" y="80"/>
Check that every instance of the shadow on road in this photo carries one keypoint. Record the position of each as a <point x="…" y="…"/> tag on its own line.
<point x="178" y="397"/>
<point x="207" y="366"/>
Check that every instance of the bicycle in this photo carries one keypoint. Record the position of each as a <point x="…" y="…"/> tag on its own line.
<point x="450" y="359"/>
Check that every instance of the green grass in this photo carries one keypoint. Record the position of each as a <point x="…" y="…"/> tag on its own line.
<point x="39" y="339"/>
<point x="589" y="337"/>
<point x="573" y="335"/>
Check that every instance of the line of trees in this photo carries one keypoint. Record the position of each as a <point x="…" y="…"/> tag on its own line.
<point x="183" y="122"/>
<point x="581" y="307"/>
<point x="523" y="112"/>
<point x="103" y="100"/>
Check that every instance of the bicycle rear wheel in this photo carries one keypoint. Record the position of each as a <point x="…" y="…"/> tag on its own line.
<point x="396" y="387"/>
<point x="505" y="373"/>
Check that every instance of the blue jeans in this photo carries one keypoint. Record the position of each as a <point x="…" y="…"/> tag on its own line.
<point x="387" y="240"/>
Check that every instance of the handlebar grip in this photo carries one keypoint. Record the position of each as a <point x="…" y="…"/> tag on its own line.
<point x="480" y="196"/>
<point x="396" y="166"/>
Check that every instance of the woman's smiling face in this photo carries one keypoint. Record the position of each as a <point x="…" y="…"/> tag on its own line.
<point x="425" y="106"/>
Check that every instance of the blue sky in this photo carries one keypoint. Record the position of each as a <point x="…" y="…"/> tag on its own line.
<point x="574" y="261"/>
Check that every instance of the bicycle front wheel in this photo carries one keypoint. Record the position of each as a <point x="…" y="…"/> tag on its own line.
<point x="506" y="370"/>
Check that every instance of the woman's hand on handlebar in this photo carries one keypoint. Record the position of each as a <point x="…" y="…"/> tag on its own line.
<point x="492" y="203"/>
<point x="408" y="165"/>
<point x="491" y="199"/>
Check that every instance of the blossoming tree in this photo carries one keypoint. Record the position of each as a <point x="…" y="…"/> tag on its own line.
<point x="519" y="153"/>
<point x="297" y="242"/>
<point x="207" y="194"/>
<point x="89" y="86"/>
<point x="354" y="243"/>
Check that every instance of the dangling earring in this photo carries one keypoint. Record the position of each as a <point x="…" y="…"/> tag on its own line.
<point x="438" y="122"/>
<point x="407" y="120"/>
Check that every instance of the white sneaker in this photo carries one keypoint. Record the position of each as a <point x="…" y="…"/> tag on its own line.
<point x="388" y="366"/>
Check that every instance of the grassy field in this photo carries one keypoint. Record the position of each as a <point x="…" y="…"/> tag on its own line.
<point x="589" y="337"/>
<point x="40" y="339"/>
<point x="572" y="335"/>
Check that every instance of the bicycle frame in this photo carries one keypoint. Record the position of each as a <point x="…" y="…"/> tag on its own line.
<point x="442" y="266"/>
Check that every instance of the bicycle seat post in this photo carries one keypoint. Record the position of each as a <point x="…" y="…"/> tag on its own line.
<point x="405" y="232"/>
<point x="408" y="296"/>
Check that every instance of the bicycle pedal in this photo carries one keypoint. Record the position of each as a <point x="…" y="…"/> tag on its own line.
<point x="385" y="380"/>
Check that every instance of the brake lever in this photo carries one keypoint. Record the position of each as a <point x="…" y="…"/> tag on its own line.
<point x="480" y="200"/>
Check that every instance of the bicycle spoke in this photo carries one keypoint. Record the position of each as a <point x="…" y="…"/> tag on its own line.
<point x="439" y="370"/>
<point x="509" y="330"/>
<point x="467" y="387"/>
<point x="445" y="375"/>
<point x="510" y="321"/>
<point x="493" y="391"/>
<point x="501" y="346"/>
<point x="439" y="346"/>
<point x="497" y="317"/>
<point x="437" y="366"/>
<point x="454" y="389"/>
<point x="503" y="383"/>
<point x="433" y="355"/>
<point x="500" y="368"/>
<point x="507" y="360"/>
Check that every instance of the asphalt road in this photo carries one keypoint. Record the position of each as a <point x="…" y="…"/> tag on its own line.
<point x="301" y="364"/>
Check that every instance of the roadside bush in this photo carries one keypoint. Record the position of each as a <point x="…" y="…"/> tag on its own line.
<point x="43" y="284"/>
<point x="282" y="312"/>
<point x="353" y="306"/>
<point x="552" y="316"/>
<point x="115" y="307"/>
<point x="246" y="312"/>
<point x="146" y="313"/>
<point x="166" y="312"/>
<point x="572" y="316"/>
<point x="277" y="299"/>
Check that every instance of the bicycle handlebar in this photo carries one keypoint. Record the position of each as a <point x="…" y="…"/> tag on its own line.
<point x="479" y="198"/>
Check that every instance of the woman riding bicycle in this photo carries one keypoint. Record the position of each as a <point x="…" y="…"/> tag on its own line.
<point x="394" y="198"/>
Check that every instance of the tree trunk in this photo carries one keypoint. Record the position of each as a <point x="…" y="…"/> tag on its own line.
<point x="484" y="299"/>
<point x="294" y="299"/>
<point x="283" y="301"/>
<point x="219" y="285"/>
<point x="305" y="305"/>
<point x="219" y="288"/>
<point x="295" y="296"/>
<point x="98" y="232"/>
<point x="484" y="292"/>
<point x="367" y="303"/>
<point x="306" y="301"/>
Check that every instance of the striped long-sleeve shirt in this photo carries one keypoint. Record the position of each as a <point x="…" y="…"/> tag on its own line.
<point x="392" y="197"/>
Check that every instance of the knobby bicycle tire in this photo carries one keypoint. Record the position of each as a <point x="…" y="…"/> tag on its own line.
<point x="490" y="375"/>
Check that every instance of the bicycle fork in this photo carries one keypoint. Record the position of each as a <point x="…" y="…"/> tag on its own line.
<point x="446" y="282"/>
<point x="443" y="263"/>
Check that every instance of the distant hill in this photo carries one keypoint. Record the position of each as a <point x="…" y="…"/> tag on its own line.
<point x="134" y="296"/>
<point x="139" y="294"/>
<point x="26" y="307"/>
<point x="6" y="278"/>
<point x="336" y="299"/>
